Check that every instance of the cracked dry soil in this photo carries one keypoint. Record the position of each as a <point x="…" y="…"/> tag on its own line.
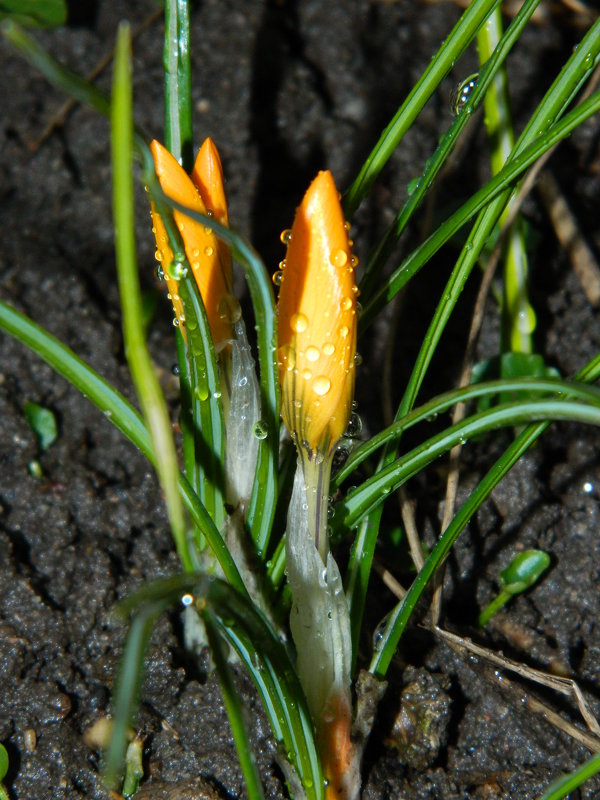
<point x="284" y="88"/>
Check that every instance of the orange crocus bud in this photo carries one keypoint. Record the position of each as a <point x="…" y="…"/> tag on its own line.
<point x="209" y="259"/>
<point x="317" y="322"/>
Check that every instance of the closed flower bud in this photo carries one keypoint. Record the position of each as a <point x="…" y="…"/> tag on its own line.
<point x="317" y="322"/>
<point x="208" y="257"/>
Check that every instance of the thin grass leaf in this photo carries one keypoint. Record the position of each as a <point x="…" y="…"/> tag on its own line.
<point x="129" y="681"/>
<point x="518" y="316"/>
<point x="179" y="137"/>
<point x="525" y="387"/>
<point x="441" y="64"/>
<point x="234" y="708"/>
<point x="552" y="106"/>
<point x="399" y="617"/>
<point x="207" y="408"/>
<point x="41" y="13"/>
<point x="421" y="186"/>
<point x="142" y="371"/>
<point x="562" y="787"/>
<point x="363" y="547"/>
<point x="489" y="192"/>
<point x="374" y="490"/>
<point x="262" y="653"/>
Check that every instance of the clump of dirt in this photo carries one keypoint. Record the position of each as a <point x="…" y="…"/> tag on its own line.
<point x="284" y="89"/>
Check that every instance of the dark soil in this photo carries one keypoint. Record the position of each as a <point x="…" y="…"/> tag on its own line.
<point x="284" y="88"/>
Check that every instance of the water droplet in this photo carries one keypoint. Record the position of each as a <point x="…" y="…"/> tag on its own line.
<point x="344" y="331"/>
<point x="354" y="426"/>
<point x="354" y="262"/>
<point x="588" y="487"/>
<point x="175" y="369"/>
<point x="346" y="303"/>
<point x="277" y="276"/>
<point x="176" y="322"/>
<point x="160" y="273"/>
<point x="312" y="353"/>
<point x="338" y="257"/>
<point x="321" y="385"/>
<point x="229" y="309"/>
<point x="196" y="252"/>
<point x="202" y="392"/>
<point x="208" y="251"/>
<point x="328" y="349"/>
<point x="462" y="93"/>
<point x="299" y="322"/>
<point x="306" y="374"/>
<point x="287" y="357"/>
<point x="356" y="291"/>
<point x="177" y="270"/>
<point x="158" y="255"/>
<point x="260" y="429"/>
<point x="526" y="320"/>
<point x="358" y="359"/>
<point x="217" y="394"/>
<point x="286" y="236"/>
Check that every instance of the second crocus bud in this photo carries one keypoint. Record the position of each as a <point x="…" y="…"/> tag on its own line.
<point x="317" y="322"/>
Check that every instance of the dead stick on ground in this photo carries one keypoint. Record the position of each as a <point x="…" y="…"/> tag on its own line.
<point x="568" y="234"/>
<point x="565" y="686"/>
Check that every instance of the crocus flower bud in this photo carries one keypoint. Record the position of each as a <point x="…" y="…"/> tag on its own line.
<point x="317" y="322"/>
<point x="208" y="257"/>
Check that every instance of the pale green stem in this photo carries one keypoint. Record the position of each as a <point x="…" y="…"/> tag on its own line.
<point x="519" y="316"/>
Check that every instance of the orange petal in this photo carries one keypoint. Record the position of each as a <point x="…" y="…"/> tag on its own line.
<point x="201" y="245"/>
<point x="164" y="256"/>
<point x="208" y="178"/>
<point x="317" y="321"/>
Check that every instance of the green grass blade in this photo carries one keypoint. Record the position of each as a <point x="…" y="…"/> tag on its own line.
<point x="207" y="407"/>
<point x="179" y="137"/>
<point x="375" y="489"/>
<point x="518" y="316"/>
<point x="495" y="187"/>
<point x="233" y="705"/>
<point x="399" y="617"/>
<point x="142" y="371"/>
<point x="553" y="104"/>
<point x="262" y="653"/>
<point x="125" y="702"/>
<point x="42" y="13"/>
<point x="562" y="787"/>
<point x="441" y="64"/>
<point x="363" y="547"/>
<point x="488" y="75"/>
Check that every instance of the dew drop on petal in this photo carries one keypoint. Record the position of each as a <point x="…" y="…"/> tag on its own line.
<point x="321" y="385"/>
<point x="312" y="353"/>
<point x="346" y="303"/>
<point x="208" y="251"/>
<point x="299" y="322"/>
<point x="158" y="255"/>
<point x="338" y="257"/>
<point x="260" y="429"/>
<point x="344" y="331"/>
<point x="286" y="236"/>
<point x="306" y="374"/>
<point x="354" y="261"/>
<point x="328" y="349"/>
<point x="277" y="276"/>
<point x="287" y="357"/>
